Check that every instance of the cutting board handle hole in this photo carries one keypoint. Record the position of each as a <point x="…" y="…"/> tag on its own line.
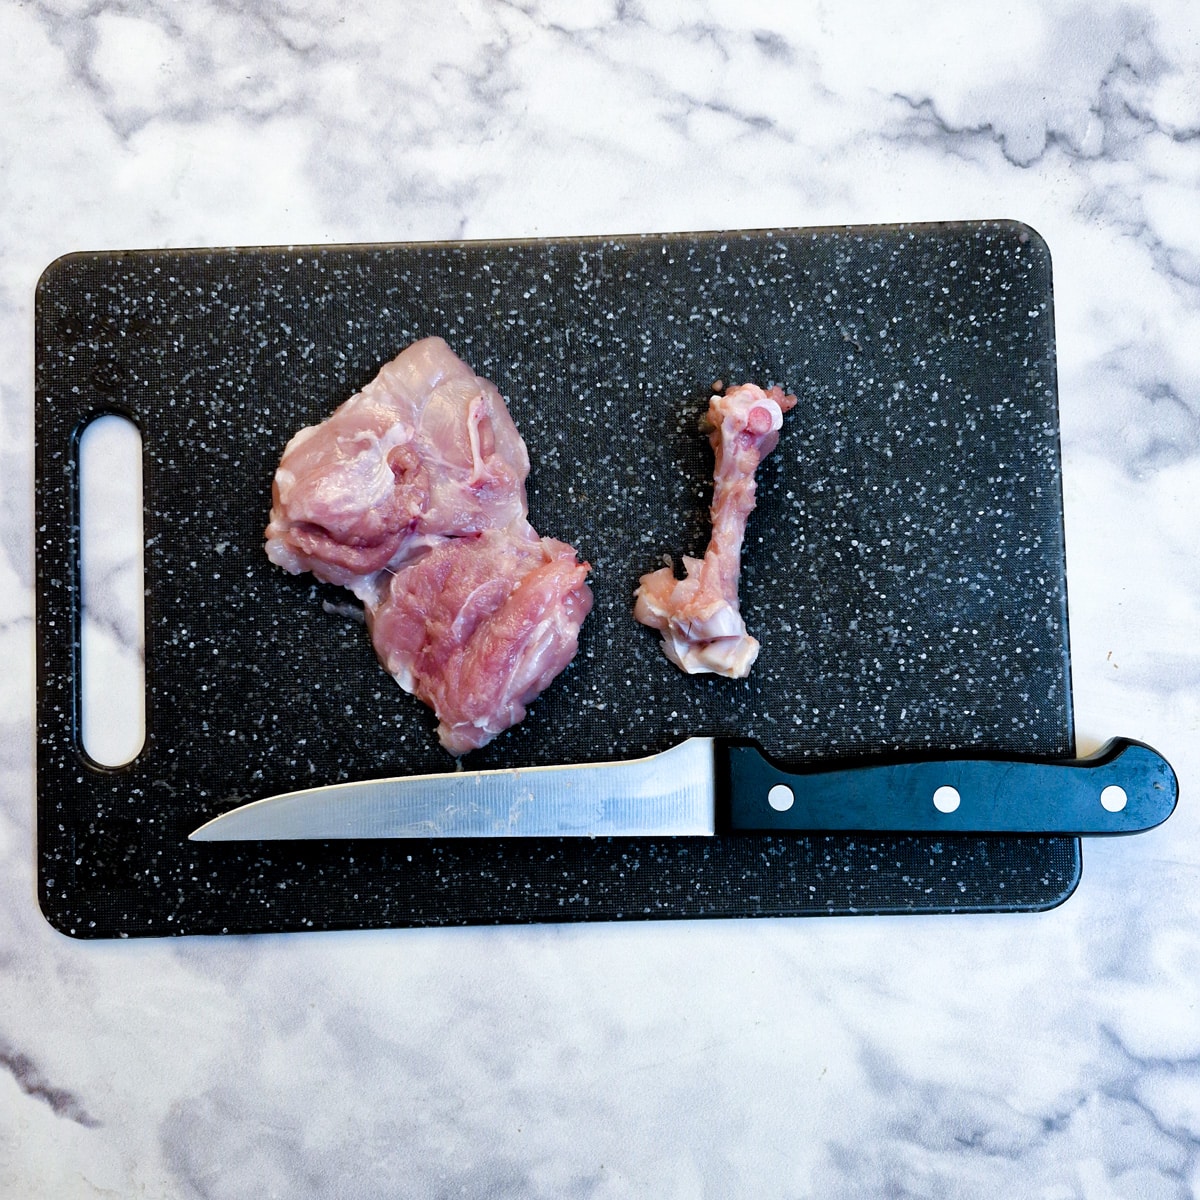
<point x="112" y="621"/>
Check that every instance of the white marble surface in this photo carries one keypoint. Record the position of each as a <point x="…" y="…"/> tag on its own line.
<point x="1048" y="1056"/>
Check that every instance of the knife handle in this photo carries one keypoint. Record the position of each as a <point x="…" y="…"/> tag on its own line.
<point x="1126" y="787"/>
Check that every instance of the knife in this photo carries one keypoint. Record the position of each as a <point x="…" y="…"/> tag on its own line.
<point x="707" y="785"/>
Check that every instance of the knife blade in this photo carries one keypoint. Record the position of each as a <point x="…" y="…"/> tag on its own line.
<point x="707" y="785"/>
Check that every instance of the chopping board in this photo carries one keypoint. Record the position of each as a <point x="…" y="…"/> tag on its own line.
<point x="904" y="570"/>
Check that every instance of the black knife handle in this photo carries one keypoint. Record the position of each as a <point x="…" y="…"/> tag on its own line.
<point x="1126" y="787"/>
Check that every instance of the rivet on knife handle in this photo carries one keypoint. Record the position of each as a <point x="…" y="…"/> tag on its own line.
<point x="1126" y="787"/>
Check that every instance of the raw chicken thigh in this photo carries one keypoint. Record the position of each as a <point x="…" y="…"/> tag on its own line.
<point x="426" y="450"/>
<point x="479" y="626"/>
<point x="698" y="616"/>
<point x="412" y="495"/>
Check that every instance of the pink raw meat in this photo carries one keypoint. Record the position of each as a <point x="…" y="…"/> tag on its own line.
<point x="698" y="616"/>
<point x="427" y="449"/>
<point x="412" y="495"/>
<point x="478" y="626"/>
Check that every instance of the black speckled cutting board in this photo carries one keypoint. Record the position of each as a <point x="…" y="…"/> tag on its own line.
<point x="904" y="570"/>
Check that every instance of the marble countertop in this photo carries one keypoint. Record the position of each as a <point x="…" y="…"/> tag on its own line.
<point x="1054" y="1055"/>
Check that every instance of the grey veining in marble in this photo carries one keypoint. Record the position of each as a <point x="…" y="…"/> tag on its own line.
<point x="1054" y="1056"/>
